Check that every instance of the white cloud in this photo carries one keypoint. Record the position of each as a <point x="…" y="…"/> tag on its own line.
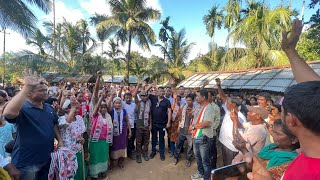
<point x="96" y="6"/>
<point x="62" y="11"/>
<point x="155" y="4"/>
<point x="14" y="42"/>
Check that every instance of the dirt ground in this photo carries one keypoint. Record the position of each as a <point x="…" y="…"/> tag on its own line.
<point x="155" y="169"/>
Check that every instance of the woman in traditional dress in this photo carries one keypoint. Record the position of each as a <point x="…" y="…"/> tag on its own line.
<point x="120" y="129"/>
<point x="101" y="138"/>
<point x="173" y="130"/>
<point x="71" y="127"/>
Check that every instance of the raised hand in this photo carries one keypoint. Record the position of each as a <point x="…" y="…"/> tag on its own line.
<point x="73" y="102"/>
<point x="239" y="142"/>
<point x="218" y="82"/>
<point x="121" y="85"/>
<point x="233" y="116"/>
<point x="100" y="73"/>
<point x="290" y="42"/>
<point x="32" y="79"/>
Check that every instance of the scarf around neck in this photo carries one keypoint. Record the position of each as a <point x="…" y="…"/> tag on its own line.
<point x="117" y="128"/>
<point x="144" y="112"/>
<point x="97" y="128"/>
<point x="276" y="158"/>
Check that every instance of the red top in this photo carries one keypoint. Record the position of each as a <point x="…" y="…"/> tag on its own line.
<point x="303" y="167"/>
<point x="80" y="113"/>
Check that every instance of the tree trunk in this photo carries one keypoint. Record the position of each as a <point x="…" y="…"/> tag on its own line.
<point x="129" y="57"/>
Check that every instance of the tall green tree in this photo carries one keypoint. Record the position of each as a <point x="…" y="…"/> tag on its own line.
<point x="129" y="21"/>
<point x="232" y="9"/>
<point x="259" y="30"/>
<point x="213" y="20"/>
<point x="102" y="34"/>
<point x="178" y="52"/>
<point x="165" y="33"/>
<point x="40" y="41"/>
<point x="114" y="53"/>
<point x="85" y="36"/>
<point x="16" y="15"/>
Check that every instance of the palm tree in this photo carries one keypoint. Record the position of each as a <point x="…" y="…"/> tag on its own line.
<point x="95" y="20"/>
<point x="15" y="15"/>
<point x="164" y="35"/>
<point x="129" y="21"/>
<point x="259" y="29"/>
<point x="85" y="35"/>
<point x="213" y="20"/>
<point x="178" y="52"/>
<point x="40" y="41"/>
<point x="114" y="52"/>
<point x="232" y="9"/>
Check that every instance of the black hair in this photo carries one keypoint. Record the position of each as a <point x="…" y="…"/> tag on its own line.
<point x="235" y="101"/>
<point x="204" y="93"/>
<point x="180" y="87"/>
<point x="286" y="131"/>
<point x="127" y="94"/>
<point x="161" y="87"/>
<point x="239" y="95"/>
<point x="50" y="100"/>
<point x="212" y="93"/>
<point x="190" y="96"/>
<point x="77" y="93"/>
<point x="278" y="107"/>
<point x="3" y="94"/>
<point x="179" y="97"/>
<point x="254" y="98"/>
<point x="104" y="105"/>
<point x="302" y="100"/>
<point x="265" y="95"/>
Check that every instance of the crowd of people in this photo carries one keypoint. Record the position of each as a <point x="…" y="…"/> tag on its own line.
<point x="69" y="131"/>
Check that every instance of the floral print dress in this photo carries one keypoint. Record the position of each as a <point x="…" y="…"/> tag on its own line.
<point x="71" y="133"/>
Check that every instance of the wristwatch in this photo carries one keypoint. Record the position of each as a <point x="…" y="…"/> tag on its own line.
<point x="193" y="128"/>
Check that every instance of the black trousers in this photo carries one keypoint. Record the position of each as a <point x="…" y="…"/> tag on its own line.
<point x="154" y="131"/>
<point x="213" y="153"/>
<point x="131" y="147"/>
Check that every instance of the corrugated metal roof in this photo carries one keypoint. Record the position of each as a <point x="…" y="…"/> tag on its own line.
<point x="276" y="79"/>
<point x="119" y="79"/>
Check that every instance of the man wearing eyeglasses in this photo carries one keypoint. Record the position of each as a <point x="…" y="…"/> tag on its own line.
<point x="161" y="119"/>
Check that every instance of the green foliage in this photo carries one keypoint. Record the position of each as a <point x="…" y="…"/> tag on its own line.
<point x="309" y="45"/>
<point x="129" y="22"/>
<point x="16" y="15"/>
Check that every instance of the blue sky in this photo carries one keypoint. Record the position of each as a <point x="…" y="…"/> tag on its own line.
<point x="186" y="14"/>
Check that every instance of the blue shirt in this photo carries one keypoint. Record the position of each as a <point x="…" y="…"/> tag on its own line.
<point x="6" y="136"/>
<point x="35" y="135"/>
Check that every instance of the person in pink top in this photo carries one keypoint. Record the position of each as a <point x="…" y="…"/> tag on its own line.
<point x="101" y="138"/>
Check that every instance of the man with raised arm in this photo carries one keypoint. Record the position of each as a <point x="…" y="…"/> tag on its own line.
<point x="36" y="124"/>
<point x="226" y="137"/>
<point x="143" y="124"/>
<point x="300" y="115"/>
<point x="301" y="70"/>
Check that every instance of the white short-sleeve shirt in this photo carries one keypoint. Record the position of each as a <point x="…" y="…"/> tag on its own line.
<point x="226" y="136"/>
